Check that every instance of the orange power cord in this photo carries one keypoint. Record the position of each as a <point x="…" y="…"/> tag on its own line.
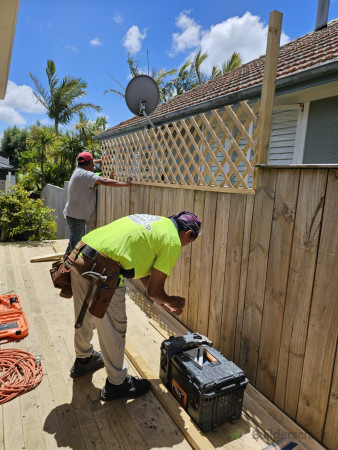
<point x="19" y="373"/>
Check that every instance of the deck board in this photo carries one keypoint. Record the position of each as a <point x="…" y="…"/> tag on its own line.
<point x="64" y="413"/>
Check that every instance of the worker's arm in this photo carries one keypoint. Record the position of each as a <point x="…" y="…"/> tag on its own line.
<point x="155" y="289"/>
<point x="113" y="183"/>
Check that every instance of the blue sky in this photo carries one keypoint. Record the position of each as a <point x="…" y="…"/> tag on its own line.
<point x="91" y="39"/>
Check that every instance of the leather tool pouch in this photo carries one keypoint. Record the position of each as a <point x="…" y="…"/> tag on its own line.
<point x="60" y="271"/>
<point x="105" y="292"/>
<point x="93" y="260"/>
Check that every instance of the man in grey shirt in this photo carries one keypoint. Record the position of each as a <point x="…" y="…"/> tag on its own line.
<point x="81" y="197"/>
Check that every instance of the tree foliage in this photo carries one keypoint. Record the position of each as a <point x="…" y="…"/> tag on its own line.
<point x="24" y="218"/>
<point x="41" y="141"/>
<point x="61" y="98"/>
<point x="175" y="82"/>
<point x="14" y="143"/>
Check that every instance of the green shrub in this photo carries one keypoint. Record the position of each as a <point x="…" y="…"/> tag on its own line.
<point x="24" y="218"/>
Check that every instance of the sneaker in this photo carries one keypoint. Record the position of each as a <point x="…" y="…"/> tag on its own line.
<point x="85" y="365"/>
<point x="131" y="387"/>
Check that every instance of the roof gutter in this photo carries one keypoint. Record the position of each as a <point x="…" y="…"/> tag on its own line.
<point x="283" y="85"/>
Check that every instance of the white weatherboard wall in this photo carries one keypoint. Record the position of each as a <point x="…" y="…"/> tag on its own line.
<point x="283" y="136"/>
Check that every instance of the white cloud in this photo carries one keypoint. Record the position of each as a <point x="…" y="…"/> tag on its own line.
<point x="95" y="42"/>
<point x="118" y="18"/>
<point x="11" y="116"/>
<point x="190" y="33"/>
<point x="19" y="99"/>
<point x="71" y="47"/>
<point x="132" y="40"/>
<point x="246" y="35"/>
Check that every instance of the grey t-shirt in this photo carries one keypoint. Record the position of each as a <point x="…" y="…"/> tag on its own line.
<point x="81" y="197"/>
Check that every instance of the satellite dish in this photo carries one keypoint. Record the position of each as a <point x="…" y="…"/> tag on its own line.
<point x="142" y="96"/>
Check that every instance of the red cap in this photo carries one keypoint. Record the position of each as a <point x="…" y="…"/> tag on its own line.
<point x="85" y="156"/>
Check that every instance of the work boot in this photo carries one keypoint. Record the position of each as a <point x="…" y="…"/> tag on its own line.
<point x="131" y="387"/>
<point x="85" y="365"/>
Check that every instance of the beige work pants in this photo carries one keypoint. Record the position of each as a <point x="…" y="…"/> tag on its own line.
<point x="111" y="329"/>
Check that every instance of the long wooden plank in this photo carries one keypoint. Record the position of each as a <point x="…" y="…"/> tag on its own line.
<point x="258" y="257"/>
<point x="195" y="267"/>
<point x="207" y="254"/>
<point x="276" y="280"/>
<point x="238" y="352"/>
<point x="184" y="202"/>
<point x="274" y="422"/>
<point x="194" y="187"/>
<point x="323" y="331"/>
<point x="299" y="292"/>
<point x="49" y="257"/>
<point x="218" y="268"/>
<point x="232" y="275"/>
<point x="268" y="88"/>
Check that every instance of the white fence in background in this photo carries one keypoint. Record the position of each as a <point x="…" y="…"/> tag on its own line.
<point x="55" y="197"/>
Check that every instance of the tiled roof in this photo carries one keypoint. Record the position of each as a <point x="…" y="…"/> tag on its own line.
<point x="309" y="51"/>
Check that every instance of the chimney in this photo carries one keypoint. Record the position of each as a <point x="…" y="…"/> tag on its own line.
<point x="322" y="14"/>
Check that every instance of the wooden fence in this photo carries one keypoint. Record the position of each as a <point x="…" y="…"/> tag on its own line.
<point x="55" y="197"/>
<point x="261" y="281"/>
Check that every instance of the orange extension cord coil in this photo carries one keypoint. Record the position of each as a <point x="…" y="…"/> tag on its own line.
<point x="19" y="373"/>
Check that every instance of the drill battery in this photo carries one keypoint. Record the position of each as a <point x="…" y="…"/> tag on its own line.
<point x="208" y="386"/>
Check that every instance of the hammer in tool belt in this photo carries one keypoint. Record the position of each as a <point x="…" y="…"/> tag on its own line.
<point x="97" y="279"/>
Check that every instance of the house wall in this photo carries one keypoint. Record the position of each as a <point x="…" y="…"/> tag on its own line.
<point x="261" y="281"/>
<point x="321" y="145"/>
<point x="283" y="136"/>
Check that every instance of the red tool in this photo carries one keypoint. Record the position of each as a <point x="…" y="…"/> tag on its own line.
<point x="13" y="321"/>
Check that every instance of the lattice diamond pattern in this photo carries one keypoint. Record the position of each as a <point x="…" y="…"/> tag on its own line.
<point x="215" y="149"/>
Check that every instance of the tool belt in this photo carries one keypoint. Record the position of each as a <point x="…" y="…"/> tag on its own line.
<point x="92" y="260"/>
<point x="60" y="271"/>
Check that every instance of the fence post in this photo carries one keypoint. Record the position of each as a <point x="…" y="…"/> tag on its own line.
<point x="268" y="89"/>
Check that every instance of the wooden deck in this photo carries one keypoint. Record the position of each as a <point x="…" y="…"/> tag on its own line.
<point x="66" y="413"/>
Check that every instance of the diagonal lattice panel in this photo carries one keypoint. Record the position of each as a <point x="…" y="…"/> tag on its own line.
<point x="216" y="149"/>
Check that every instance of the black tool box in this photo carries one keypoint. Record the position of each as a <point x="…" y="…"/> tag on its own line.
<point x="208" y="386"/>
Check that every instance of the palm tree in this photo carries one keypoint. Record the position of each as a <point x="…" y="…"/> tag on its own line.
<point x="41" y="140"/>
<point x="188" y="77"/>
<point x="160" y="76"/>
<point x="232" y="63"/>
<point x="60" y="100"/>
<point x="196" y="67"/>
<point x="70" y="146"/>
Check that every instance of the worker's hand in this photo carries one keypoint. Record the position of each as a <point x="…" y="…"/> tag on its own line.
<point x="129" y="180"/>
<point x="112" y="175"/>
<point x="175" y="305"/>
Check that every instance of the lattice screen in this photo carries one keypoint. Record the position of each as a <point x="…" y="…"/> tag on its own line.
<point x="216" y="149"/>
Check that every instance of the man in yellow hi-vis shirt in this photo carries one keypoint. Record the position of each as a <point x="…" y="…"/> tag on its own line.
<point x="144" y="247"/>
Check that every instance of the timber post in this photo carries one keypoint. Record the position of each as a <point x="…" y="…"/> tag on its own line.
<point x="268" y="89"/>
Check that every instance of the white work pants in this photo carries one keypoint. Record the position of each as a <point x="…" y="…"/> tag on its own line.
<point x="111" y="329"/>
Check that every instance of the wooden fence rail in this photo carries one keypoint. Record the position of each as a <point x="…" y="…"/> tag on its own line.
<point x="261" y="281"/>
